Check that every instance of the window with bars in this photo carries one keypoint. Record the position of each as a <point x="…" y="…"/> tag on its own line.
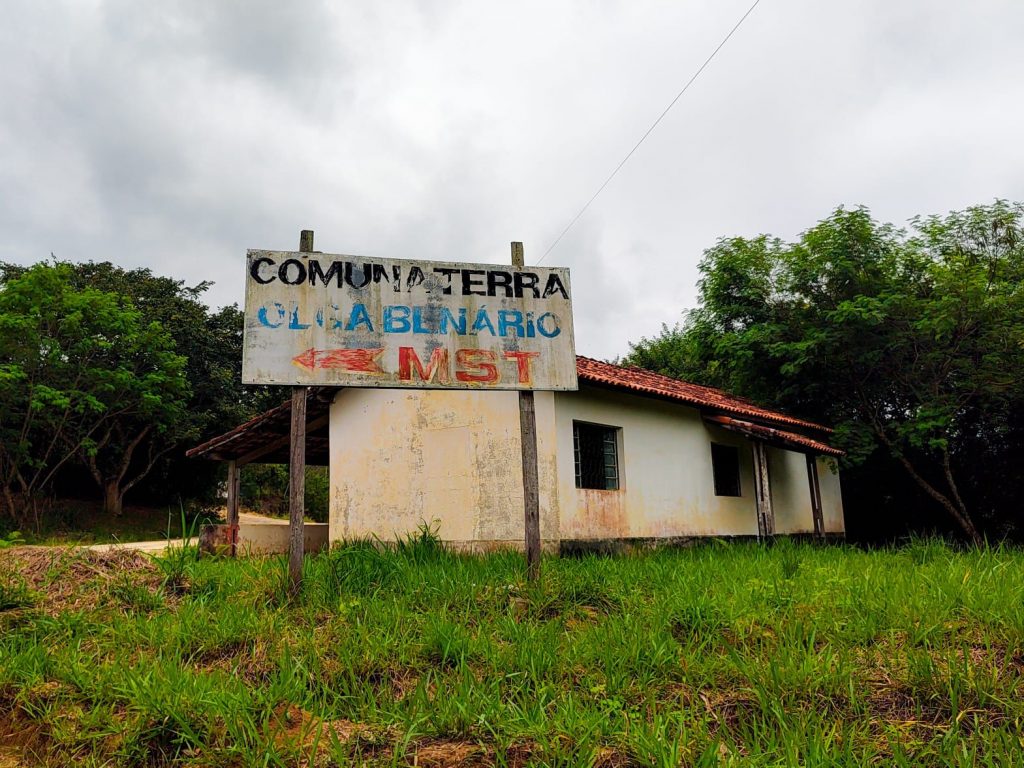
<point x="595" y="448"/>
<point x="725" y="465"/>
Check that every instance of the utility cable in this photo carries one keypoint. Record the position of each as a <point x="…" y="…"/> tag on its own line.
<point x="649" y="130"/>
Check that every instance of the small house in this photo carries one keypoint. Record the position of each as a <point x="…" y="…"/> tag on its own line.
<point x="632" y="457"/>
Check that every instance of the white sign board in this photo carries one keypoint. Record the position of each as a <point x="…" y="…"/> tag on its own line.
<point x="323" y="319"/>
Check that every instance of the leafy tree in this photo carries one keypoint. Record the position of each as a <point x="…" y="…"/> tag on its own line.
<point x="211" y="343"/>
<point x="909" y="343"/>
<point x="77" y="365"/>
<point x="265" y="487"/>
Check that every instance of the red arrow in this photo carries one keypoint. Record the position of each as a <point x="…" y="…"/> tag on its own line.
<point x="352" y="360"/>
<point x="307" y="359"/>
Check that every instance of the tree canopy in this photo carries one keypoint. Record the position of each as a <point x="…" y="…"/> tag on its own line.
<point x="82" y="376"/>
<point x="910" y="342"/>
<point x="211" y="343"/>
<point x="110" y="374"/>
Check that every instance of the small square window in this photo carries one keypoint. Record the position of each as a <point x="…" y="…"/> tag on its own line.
<point x="725" y="464"/>
<point x="595" y="449"/>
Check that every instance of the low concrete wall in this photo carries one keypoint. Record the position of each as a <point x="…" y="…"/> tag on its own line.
<point x="261" y="538"/>
<point x="272" y="538"/>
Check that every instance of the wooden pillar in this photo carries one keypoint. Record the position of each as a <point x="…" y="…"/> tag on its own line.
<point x="531" y="484"/>
<point x="297" y="487"/>
<point x="234" y="486"/>
<point x="297" y="466"/>
<point x="815" y="486"/>
<point x="763" y="492"/>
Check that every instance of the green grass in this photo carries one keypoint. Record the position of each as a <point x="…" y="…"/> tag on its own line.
<point x="734" y="655"/>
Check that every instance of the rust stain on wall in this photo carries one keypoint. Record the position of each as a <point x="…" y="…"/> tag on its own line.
<point x="600" y="514"/>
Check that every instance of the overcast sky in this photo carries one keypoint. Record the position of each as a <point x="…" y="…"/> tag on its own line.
<point x="175" y="135"/>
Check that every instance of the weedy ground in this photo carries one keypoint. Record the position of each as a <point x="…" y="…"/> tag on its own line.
<point x="718" y="655"/>
<point x="72" y="522"/>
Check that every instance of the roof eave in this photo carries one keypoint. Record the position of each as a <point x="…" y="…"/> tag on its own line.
<point x="701" y="406"/>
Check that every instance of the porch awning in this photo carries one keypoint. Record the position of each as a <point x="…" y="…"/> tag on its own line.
<point x="265" y="439"/>
<point x="792" y="441"/>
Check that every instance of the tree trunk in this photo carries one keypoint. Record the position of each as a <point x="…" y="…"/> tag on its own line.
<point x="961" y="515"/>
<point x="10" y="505"/>
<point x="113" y="497"/>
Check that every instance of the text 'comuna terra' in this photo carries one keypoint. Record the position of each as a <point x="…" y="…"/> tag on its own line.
<point x="444" y="280"/>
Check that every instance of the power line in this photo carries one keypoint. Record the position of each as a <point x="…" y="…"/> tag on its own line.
<point x="649" y="130"/>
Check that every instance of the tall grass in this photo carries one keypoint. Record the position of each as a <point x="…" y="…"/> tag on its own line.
<point x="715" y="655"/>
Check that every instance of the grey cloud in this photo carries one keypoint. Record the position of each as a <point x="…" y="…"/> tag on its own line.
<point x="176" y="135"/>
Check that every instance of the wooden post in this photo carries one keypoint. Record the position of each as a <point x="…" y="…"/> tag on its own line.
<point x="531" y="485"/>
<point x="297" y="466"/>
<point x="763" y="492"/>
<point x="297" y="487"/>
<point x="234" y="485"/>
<point x="812" y="479"/>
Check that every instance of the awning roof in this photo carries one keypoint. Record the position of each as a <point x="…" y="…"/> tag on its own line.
<point x="266" y="438"/>
<point x="789" y="440"/>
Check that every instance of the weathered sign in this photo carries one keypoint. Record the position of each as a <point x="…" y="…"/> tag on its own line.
<point x="316" y="318"/>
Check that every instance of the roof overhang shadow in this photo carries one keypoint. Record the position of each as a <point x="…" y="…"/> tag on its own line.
<point x="266" y="438"/>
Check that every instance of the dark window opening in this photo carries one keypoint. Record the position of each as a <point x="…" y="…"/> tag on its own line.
<point x="595" y="449"/>
<point x="725" y="463"/>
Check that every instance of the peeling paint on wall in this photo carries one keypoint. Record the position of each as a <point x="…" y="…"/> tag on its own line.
<point x="451" y="460"/>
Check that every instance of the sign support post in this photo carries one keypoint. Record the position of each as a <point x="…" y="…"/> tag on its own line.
<point x="297" y="466"/>
<point x="531" y="490"/>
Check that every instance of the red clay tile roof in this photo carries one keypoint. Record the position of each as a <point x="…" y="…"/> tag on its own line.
<point x="646" y="382"/>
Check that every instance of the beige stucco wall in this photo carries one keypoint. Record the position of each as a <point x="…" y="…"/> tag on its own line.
<point x="667" y="483"/>
<point x="451" y="459"/>
<point x="666" y="486"/>
<point x="273" y="538"/>
<point x="791" y="493"/>
<point x="791" y="497"/>
<point x="831" y="496"/>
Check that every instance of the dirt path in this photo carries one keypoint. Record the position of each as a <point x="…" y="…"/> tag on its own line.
<point x="156" y="547"/>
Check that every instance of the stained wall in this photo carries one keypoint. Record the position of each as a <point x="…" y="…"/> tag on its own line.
<point x="449" y="459"/>
<point x="401" y="458"/>
<point x="666" y="486"/>
<point x="666" y="482"/>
